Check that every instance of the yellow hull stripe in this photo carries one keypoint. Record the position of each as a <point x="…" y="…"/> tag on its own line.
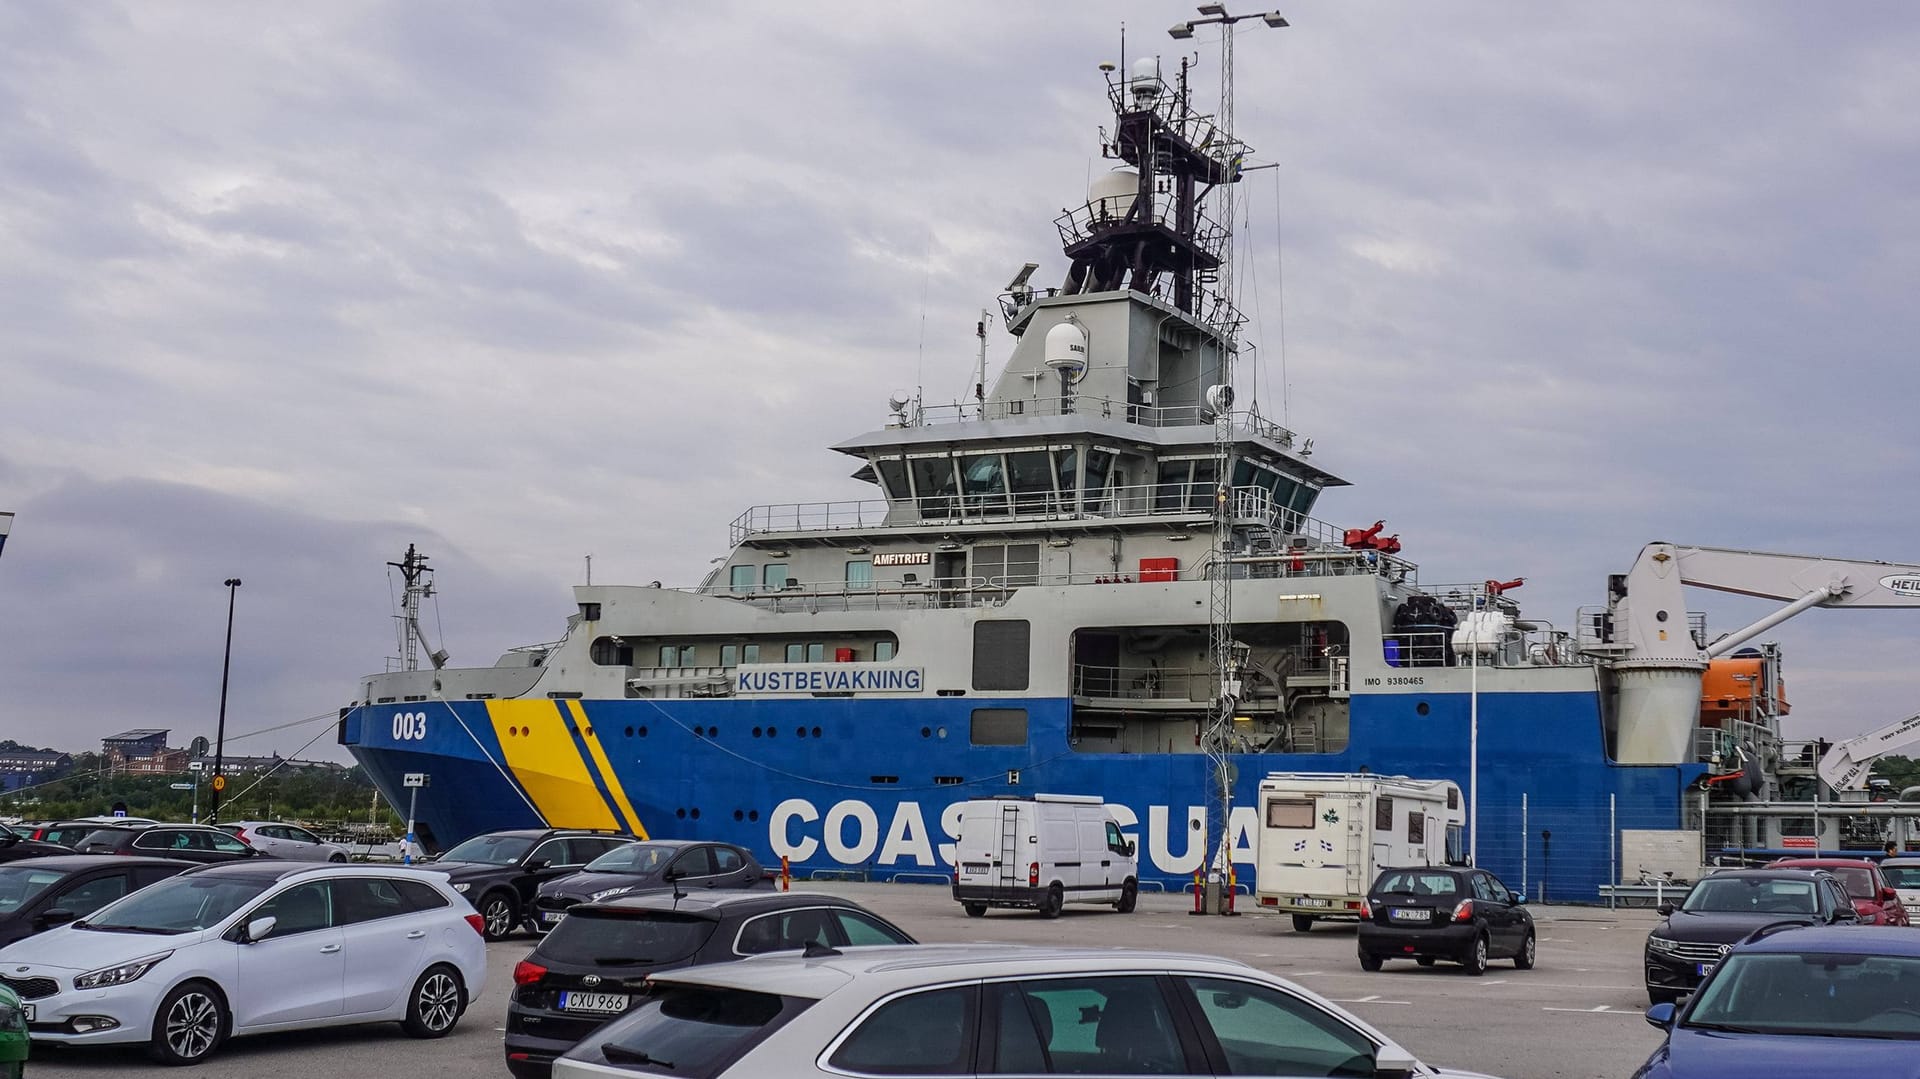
<point x="534" y="738"/>
<point x="591" y="738"/>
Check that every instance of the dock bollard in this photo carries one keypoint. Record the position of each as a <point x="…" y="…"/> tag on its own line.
<point x="1233" y="879"/>
<point x="1199" y="894"/>
<point x="786" y="874"/>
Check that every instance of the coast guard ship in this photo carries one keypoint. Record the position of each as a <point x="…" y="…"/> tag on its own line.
<point x="1103" y="575"/>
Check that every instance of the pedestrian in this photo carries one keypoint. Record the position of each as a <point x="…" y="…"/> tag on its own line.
<point x="1893" y="849"/>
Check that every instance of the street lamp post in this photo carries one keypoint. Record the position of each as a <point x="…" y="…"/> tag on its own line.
<point x="220" y="731"/>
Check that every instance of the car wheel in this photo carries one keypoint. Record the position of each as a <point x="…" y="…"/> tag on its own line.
<point x="1369" y="961"/>
<point x="1055" y="902"/>
<point x="1476" y="961"/>
<point x="189" y="1025"/>
<point x="975" y="910"/>
<point x="1129" y="896"/>
<point x="1424" y="960"/>
<point x="435" y="1005"/>
<point x="1303" y="923"/>
<point x="1524" y="960"/>
<point x="337" y="858"/>
<point x="496" y="913"/>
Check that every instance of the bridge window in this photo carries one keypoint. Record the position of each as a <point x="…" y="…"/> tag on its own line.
<point x="740" y="578"/>
<point x="774" y="576"/>
<point x="934" y="484"/>
<point x="893" y="477"/>
<point x="986" y="483"/>
<point x="860" y="573"/>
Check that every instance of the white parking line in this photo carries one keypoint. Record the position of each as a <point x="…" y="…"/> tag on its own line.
<point x="1604" y="1009"/>
<point x="1374" y="999"/>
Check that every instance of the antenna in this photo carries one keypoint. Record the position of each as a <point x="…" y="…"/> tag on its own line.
<point x="980" y="331"/>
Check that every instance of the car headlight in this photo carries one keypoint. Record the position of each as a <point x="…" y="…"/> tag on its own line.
<point x="605" y="893"/>
<point x="11" y="1017"/>
<point x="118" y="975"/>
<point x="1662" y="945"/>
<point x="462" y="888"/>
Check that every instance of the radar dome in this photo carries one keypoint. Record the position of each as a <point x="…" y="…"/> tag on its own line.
<point x="1066" y="350"/>
<point x="1145" y="83"/>
<point x="1111" y="194"/>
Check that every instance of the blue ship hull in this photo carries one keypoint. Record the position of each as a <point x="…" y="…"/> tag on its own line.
<point x="872" y="787"/>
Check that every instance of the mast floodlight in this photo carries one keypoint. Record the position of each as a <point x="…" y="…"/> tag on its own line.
<point x="1181" y="31"/>
<point x="1213" y="9"/>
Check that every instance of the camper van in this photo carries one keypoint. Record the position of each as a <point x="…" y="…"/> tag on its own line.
<point x="1042" y="853"/>
<point x="1324" y="837"/>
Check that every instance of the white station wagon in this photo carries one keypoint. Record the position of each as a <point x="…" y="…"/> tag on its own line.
<point x="250" y="947"/>
<point x="940" y="1010"/>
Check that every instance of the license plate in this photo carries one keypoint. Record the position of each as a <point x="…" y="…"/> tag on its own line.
<point x="974" y="867"/>
<point x="27" y="1010"/>
<point x="1702" y="969"/>
<point x="593" y="1002"/>
<point x="1409" y="914"/>
<point x="1304" y="901"/>
<point x="551" y="916"/>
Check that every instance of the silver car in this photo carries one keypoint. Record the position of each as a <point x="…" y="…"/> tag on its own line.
<point x="283" y="840"/>
<point x="980" y="1009"/>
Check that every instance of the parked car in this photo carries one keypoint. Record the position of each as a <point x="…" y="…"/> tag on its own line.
<point x="922" y="1010"/>
<point x="247" y="947"/>
<point x="500" y="872"/>
<point x="1725" y="908"/>
<point x="656" y="865"/>
<point x="14" y="1041"/>
<point x="47" y="892"/>
<point x="283" y="840"/>
<point x="1874" y="900"/>
<point x="67" y="833"/>
<point x="594" y="965"/>
<point x="15" y="845"/>
<point x="1429" y="913"/>
<point x="1830" y="1000"/>
<point x="189" y="842"/>
<point x="1903" y="874"/>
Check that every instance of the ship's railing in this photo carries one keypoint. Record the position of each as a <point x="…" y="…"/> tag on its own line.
<point x="1588" y="621"/>
<point x="1245" y="424"/>
<point x="1253" y="505"/>
<point x="1143" y="683"/>
<point x="1102" y="215"/>
<point x="1542" y="647"/>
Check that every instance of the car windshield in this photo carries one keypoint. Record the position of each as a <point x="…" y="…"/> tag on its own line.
<point x="1901" y="876"/>
<point x="628" y="939"/>
<point x="642" y="859"/>
<point x="490" y="850"/>
<point x="1751" y="895"/>
<point x="1835" y="995"/>
<point x="179" y="904"/>
<point x="20" y="883"/>
<point x="1417" y="882"/>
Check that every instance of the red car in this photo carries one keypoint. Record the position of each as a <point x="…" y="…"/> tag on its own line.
<point x="1873" y="900"/>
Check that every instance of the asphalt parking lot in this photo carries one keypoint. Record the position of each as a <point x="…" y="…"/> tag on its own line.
<point x="1577" y="1014"/>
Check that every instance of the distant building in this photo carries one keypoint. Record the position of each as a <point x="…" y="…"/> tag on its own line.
<point x="20" y="767"/>
<point x="135" y="745"/>
<point x="165" y="762"/>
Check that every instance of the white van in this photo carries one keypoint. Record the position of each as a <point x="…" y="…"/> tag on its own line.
<point x="1042" y="853"/>
<point x="1324" y="837"/>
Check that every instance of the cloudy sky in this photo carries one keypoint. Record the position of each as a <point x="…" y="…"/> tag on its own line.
<point x="286" y="287"/>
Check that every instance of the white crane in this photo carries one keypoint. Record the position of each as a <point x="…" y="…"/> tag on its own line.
<point x="1847" y="765"/>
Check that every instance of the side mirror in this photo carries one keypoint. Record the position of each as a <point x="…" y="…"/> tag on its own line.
<point x="260" y="928"/>
<point x="673" y="874"/>
<point x="57" y="916"/>
<point x="1888" y="895"/>
<point x="1665" y="909"/>
<point x="540" y="863"/>
<point x="1660" y="1016"/>
<point x="1130" y="848"/>
<point x="1393" y="1062"/>
<point x="1519" y="899"/>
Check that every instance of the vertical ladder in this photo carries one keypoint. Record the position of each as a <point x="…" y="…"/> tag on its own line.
<point x="1357" y="851"/>
<point x="1009" y="846"/>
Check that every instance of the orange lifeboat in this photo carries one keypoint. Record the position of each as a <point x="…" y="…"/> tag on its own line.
<point x="1729" y="688"/>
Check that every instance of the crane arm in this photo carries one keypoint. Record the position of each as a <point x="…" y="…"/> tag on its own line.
<point x="1846" y="766"/>
<point x="1848" y="582"/>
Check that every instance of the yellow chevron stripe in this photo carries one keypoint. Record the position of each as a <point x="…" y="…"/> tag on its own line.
<point x="606" y="769"/>
<point x="533" y="737"/>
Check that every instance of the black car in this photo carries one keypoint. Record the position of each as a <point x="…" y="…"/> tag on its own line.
<point x="40" y="894"/>
<point x="1429" y="913"/>
<point x="1724" y="909"/>
<point x="500" y="872"/>
<point x="656" y="865"/>
<point x="190" y="842"/>
<point x="15" y="846"/>
<point x="594" y="964"/>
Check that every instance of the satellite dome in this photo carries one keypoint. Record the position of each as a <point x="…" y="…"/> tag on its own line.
<point x="1111" y="194"/>
<point x="1066" y="350"/>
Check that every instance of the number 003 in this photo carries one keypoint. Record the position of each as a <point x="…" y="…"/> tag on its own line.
<point x="409" y="726"/>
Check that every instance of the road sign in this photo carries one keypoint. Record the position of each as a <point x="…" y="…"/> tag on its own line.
<point x="219" y="783"/>
<point x="182" y="786"/>
<point x="415" y="779"/>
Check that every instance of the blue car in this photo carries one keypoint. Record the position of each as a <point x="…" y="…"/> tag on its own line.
<point x="1826" y="1000"/>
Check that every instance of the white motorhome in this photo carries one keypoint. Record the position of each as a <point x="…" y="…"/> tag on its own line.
<point x="1042" y="853"/>
<point x="1324" y="837"/>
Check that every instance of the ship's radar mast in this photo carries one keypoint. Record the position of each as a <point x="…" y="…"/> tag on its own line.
<point x="418" y="577"/>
